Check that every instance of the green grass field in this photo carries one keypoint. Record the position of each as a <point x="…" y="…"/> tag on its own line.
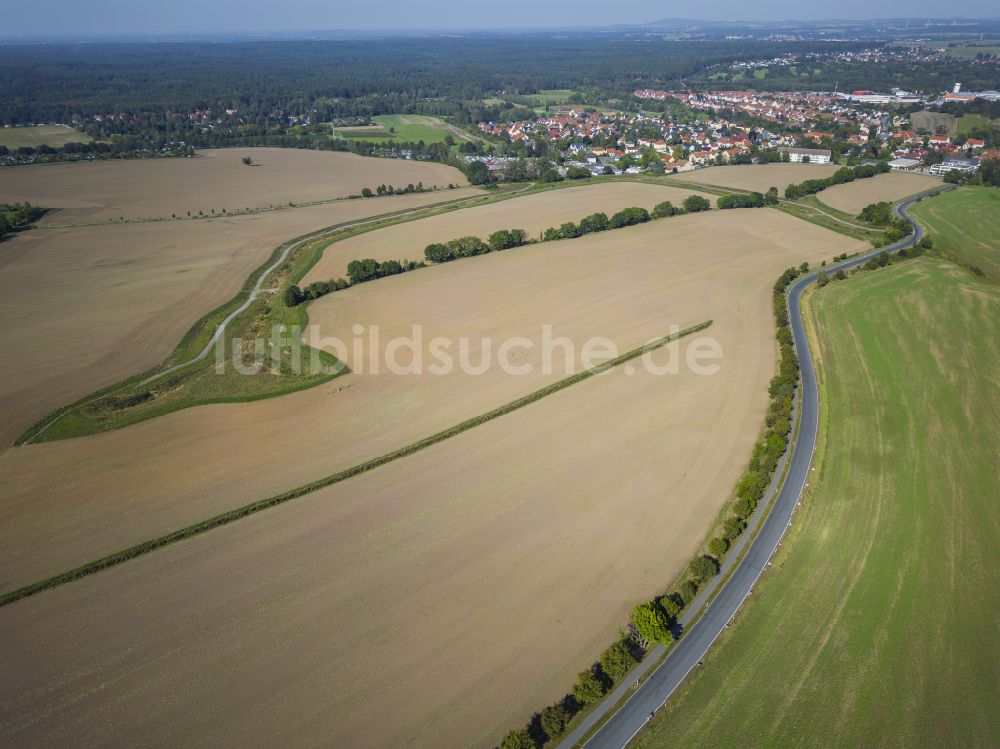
<point x="969" y="52"/>
<point x="965" y="224"/>
<point x="41" y="135"/>
<point x="406" y="128"/>
<point x="552" y="96"/>
<point x="877" y="624"/>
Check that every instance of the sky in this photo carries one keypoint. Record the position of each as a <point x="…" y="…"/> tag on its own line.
<point x="73" y="17"/>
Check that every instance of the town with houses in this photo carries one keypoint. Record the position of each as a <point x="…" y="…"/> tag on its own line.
<point x="733" y="127"/>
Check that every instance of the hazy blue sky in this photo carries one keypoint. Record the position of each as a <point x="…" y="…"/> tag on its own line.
<point x="166" y="16"/>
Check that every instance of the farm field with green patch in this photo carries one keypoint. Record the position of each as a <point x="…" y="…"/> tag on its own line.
<point x="41" y="135"/>
<point x="965" y="224"/>
<point x="877" y="625"/>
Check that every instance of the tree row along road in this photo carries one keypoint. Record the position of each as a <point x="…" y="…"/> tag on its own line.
<point x="624" y="724"/>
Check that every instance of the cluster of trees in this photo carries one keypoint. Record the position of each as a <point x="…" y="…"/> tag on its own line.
<point x="880" y="214"/>
<point x="381" y="190"/>
<point x="503" y="239"/>
<point x="839" y="177"/>
<point x="17" y="215"/>
<point x="748" y="200"/>
<point x="360" y="271"/>
<point x="294" y="296"/>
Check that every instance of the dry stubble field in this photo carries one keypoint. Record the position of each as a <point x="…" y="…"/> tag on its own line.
<point x="758" y="177"/>
<point x="533" y="213"/>
<point x="494" y="585"/>
<point x="86" y="307"/>
<point x="852" y="197"/>
<point x="144" y="188"/>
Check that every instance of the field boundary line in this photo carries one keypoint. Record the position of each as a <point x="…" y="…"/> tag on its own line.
<point x="233" y="515"/>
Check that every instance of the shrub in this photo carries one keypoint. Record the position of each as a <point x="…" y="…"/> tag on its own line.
<point x="704" y="568"/>
<point x="360" y="271"/>
<point x="696" y="203"/>
<point x="672" y="605"/>
<point x="553" y="719"/>
<point x="518" y="739"/>
<point x="588" y="688"/>
<point x="578" y="172"/>
<point x="293" y="296"/>
<point x="744" y="507"/>
<point x="664" y="209"/>
<point x="688" y="590"/>
<point x="628" y="217"/>
<point x="619" y="658"/>
<point x="652" y="622"/>
<point x="718" y="546"/>
<point x="742" y="200"/>
<point x="732" y="527"/>
<point x="569" y="230"/>
<point x="593" y="222"/>
<point x="437" y="253"/>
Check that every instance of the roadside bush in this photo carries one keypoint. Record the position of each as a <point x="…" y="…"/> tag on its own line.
<point x="732" y="527"/>
<point x="550" y="234"/>
<point x="518" y="739"/>
<point x="744" y="507"/>
<point x="554" y="718"/>
<point x="578" y="172"/>
<point x="688" y="590"/>
<point x="652" y="622"/>
<point x="620" y="658"/>
<point x="672" y="605"/>
<point x="589" y="687"/>
<point x="704" y="568"/>
<point x="717" y="547"/>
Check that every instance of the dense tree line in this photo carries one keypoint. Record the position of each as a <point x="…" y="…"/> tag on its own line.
<point x="748" y="200"/>
<point x="839" y="177"/>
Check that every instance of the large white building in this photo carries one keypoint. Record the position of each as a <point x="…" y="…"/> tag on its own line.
<point x="810" y="155"/>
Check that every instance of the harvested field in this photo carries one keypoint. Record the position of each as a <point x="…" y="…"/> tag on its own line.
<point x="494" y="584"/>
<point x="759" y="177"/>
<point x="533" y="213"/>
<point x="214" y="179"/>
<point x="84" y="308"/>
<point x="852" y="197"/>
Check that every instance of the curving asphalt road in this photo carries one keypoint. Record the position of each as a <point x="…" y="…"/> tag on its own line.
<point x="623" y="726"/>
